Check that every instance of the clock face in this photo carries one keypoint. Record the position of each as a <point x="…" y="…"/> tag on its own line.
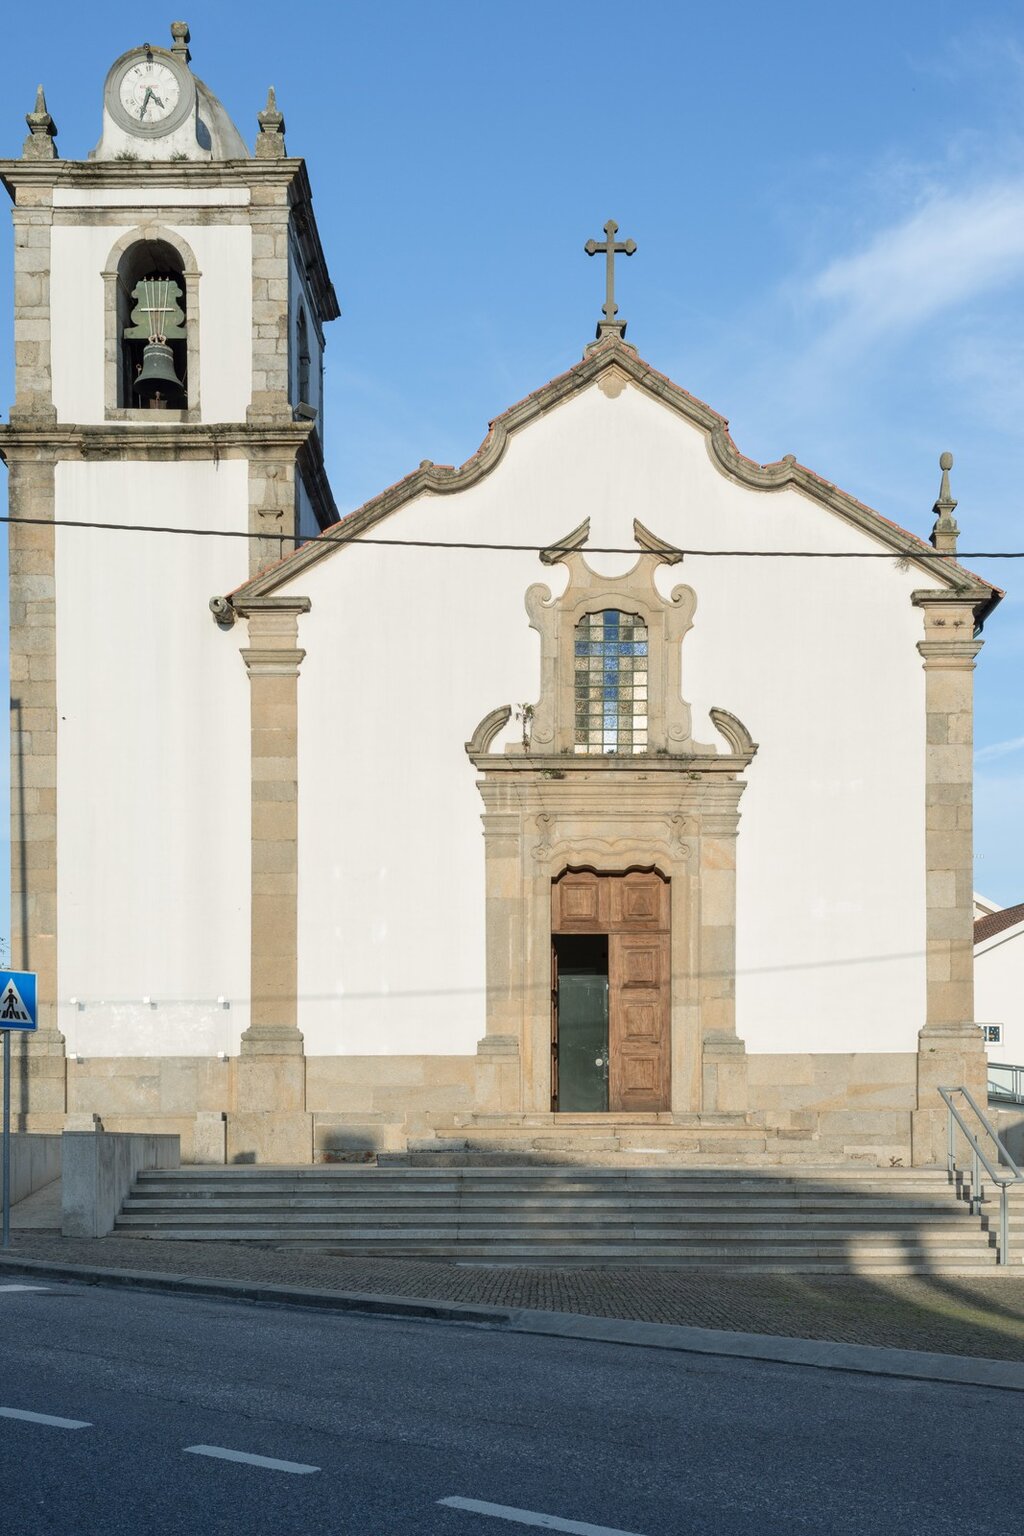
<point x="149" y="92"/>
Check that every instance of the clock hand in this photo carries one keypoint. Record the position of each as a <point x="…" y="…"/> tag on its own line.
<point x="145" y="103"/>
<point x="157" y="99"/>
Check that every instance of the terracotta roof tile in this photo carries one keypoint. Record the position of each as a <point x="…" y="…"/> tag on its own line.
<point x="994" y="922"/>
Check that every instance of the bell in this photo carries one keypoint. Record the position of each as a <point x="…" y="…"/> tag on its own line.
<point x="157" y="372"/>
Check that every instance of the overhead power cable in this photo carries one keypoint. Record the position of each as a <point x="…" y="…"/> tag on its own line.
<point x="908" y="552"/>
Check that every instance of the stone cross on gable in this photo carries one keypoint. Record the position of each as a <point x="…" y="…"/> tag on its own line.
<point x="611" y="248"/>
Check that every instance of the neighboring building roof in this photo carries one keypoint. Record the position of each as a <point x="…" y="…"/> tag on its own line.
<point x="983" y="907"/>
<point x="614" y="354"/>
<point x="987" y="927"/>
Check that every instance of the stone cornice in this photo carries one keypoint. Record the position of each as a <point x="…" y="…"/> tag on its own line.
<point x="151" y="173"/>
<point x="966" y="596"/>
<point x="557" y="766"/>
<point x="174" y="440"/>
<point x="292" y="605"/>
<point x="441" y="480"/>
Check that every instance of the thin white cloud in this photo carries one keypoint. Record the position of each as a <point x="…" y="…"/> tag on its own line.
<point x="955" y="246"/>
<point x="999" y="749"/>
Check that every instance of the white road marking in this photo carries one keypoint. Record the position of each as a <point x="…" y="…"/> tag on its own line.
<point x="251" y="1460"/>
<point x="531" y="1517"/>
<point x="24" y="1287"/>
<point x="44" y="1418"/>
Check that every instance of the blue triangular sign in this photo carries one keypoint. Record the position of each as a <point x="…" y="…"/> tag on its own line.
<point x="12" y="1007"/>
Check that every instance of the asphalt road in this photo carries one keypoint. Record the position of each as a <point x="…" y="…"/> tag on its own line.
<point x="376" y="1422"/>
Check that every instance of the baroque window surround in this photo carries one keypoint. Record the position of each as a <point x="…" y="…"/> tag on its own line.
<point x="674" y="808"/>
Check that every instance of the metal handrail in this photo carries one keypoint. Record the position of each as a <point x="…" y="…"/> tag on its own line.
<point x="1013" y="1092"/>
<point x="976" y="1196"/>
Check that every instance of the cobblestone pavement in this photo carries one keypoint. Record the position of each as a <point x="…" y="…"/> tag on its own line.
<point x="951" y="1314"/>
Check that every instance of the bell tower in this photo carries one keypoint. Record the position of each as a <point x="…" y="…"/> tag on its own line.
<point x="171" y="296"/>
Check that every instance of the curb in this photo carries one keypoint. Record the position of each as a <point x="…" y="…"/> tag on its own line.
<point x="820" y="1354"/>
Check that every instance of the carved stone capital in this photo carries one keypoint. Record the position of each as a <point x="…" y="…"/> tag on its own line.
<point x="273" y="631"/>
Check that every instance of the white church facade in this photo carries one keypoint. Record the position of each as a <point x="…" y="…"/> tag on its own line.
<point x="493" y="816"/>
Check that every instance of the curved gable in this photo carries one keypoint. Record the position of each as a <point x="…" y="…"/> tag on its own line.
<point x="612" y="365"/>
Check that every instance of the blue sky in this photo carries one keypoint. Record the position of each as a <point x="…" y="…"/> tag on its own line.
<point x="828" y="203"/>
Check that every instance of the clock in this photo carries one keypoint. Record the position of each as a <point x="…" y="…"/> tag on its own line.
<point x="149" y="92"/>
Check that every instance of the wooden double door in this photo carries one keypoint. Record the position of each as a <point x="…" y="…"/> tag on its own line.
<point x="610" y="993"/>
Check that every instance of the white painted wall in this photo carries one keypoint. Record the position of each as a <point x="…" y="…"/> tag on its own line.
<point x="153" y="764"/>
<point x="999" y="991"/>
<point x="154" y="197"/>
<point x="408" y="649"/>
<point x="81" y="253"/>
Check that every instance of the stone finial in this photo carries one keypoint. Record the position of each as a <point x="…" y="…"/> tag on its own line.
<point x="270" y="139"/>
<point x="42" y="131"/>
<point x="945" y="532"/>
<point x="181" y="38"/>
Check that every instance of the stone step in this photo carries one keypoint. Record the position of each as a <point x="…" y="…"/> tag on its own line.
<point x="582" y="1177"/>
<point x="734" y="1209"/>
<point x="723" y="1170"/>
<point x="844" y="1220"/>
<point x="554" y="1225"/>
<point x="773" y="1157"/>
<point x="850" y="1258"/>
<point x="554" y="1229"/>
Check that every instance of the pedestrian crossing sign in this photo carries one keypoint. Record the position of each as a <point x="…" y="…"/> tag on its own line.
<point x="17" y="1000"/>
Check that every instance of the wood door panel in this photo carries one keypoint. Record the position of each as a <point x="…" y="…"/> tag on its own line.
<point x="639" y="1076"/>
<point x="639" y="1021"/>
<point x="634" y="911"/>
<point x="638" y="901"/>
<point x="579" y="904"/>
<point x="641" y="965"/>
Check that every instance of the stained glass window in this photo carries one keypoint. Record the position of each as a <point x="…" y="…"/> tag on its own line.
<point x="611" y="683"/>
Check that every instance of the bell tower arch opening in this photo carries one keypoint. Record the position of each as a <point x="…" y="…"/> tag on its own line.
<point x="152" y="322"/>
<point x="151" y="283"/>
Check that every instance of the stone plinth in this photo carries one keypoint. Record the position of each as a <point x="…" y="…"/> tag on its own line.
<point x="949" y="1056"/>
<point x="268" y="1137"/>
<point x="724" y="1075"/>
<point x="497" y="1086"/>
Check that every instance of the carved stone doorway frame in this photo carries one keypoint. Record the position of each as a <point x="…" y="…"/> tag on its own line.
<point x="674" y="807"/>
<point x="611" y="819"/>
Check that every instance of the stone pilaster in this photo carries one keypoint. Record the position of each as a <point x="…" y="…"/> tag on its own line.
<point x="723" y="1054"/>
<point x="39" y="1090"/>
<point x="269" y="214"/>
<point x="950" y="1047"/>
<point x="34" y="778"/>
<point x="272" y="508"/>
<point x="498" y="1082"/>
<point x="270" y="1123"/>
<point x="33" y="386"/>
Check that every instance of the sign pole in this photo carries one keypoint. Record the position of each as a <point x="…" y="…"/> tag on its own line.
<point x="7" y="1138"/>
<point x="17" y="1011"/>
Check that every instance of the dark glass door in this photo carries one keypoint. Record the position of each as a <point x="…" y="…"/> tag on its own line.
<point x="581" y="1022"/>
